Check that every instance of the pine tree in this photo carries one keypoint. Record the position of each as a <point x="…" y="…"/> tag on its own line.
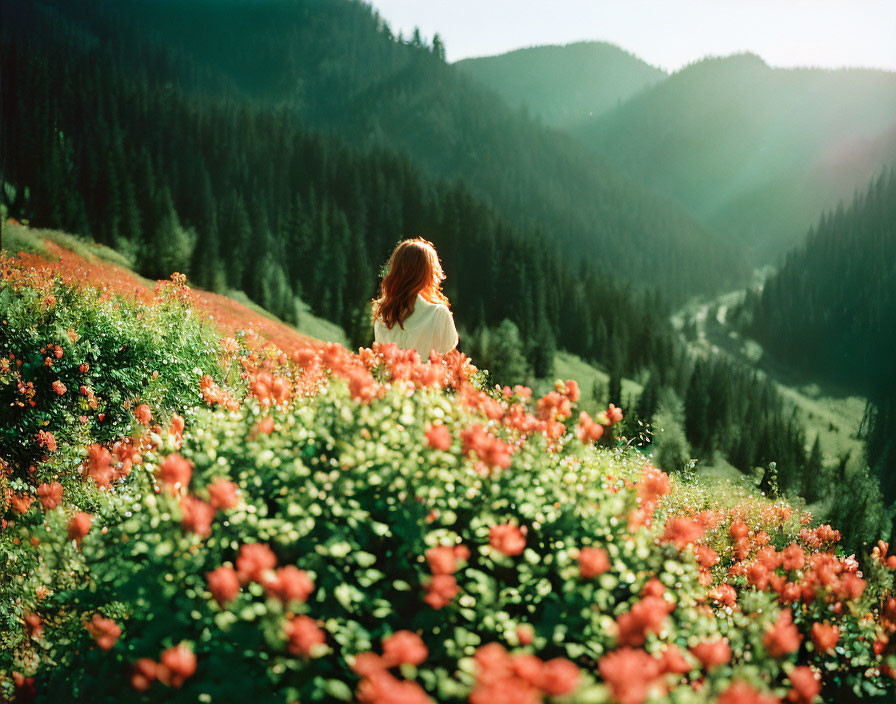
<point x="506" y="361"/>
<point x="649" y="398"/>
<point x="170" y="246"/>
<point x="696" y="409"/>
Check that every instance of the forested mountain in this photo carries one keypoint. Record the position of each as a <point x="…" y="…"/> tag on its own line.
<point x="831" y="309"/>
<point x="564" y="85"/>
<point x="752" y="151"/>
<point x="338" y="66"/>
<point x="106" y="138"/>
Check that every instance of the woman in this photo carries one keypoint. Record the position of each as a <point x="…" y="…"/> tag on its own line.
<point x="411" y="310"/>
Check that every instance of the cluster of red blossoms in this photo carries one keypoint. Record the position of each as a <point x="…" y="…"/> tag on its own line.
<point x="104" y="631"/>
<point x="378" y="685"/>
<point x="256" y="562"/>
<point x="442" y="587"/>
<point x="174" y="667"/>
<point x="645" y="616"/>
<point x="489" y="450"/>
<point x="197" y="515"/>
<point x="508" y="538"/>
<point x="521" y="678"/>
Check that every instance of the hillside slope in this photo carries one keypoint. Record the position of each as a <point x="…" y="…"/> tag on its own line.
<point x="831" y="309"/>
<point x="564" y="85"/>
<point x="752" y="151"/>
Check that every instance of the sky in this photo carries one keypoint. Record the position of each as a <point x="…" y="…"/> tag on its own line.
<point x="665" y="33"/>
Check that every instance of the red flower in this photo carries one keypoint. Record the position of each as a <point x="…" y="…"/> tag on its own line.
<point x="706" y="556"/>
<point x="593" y="562"/>
<point x="559" y="676"/>
<point x="404" y="648"/>
<point x="224" y="584"/>
<point x="487" y="447"/>
<point x="743" y="693"/>
<point x="782" y="638"/>
<point x="442" y="560"/>
<point x="674" y="662"/>
<point x="19" y="502"/>
<point x="724" y="594"/>
<point x="79" y="526"/>
<point x="361" y="385"/>
<point x="33" y="626"/>
<point x="645" y="616"/>
<point x="175" y="471"/>
<point x="47" y="440"/>
<point x="614" y="414"/>
<point x="99" y="465"/>
<point x="630" y="673"/>
<point x="104" y="631"/>
<point x="653" y="587"/>
<point x="587" y="431"/>
<point x="712" y="653"/>
<point x="825" y="637"/>
<point x="507" y="538"/>
<point x="793" y="558"/>
<point x="806" y="685"/>
<point x="253" y="561"/>
<point x="176" y="428"/>
<point x="554" y="406"/>
<point x="59" y="387"/>
<point x="303" y="635"/>
<point x="462" y="552"/>
<point x="738" y="530"/>
<point x="681" y="532"/>
<point x="197" y="516"/>
<point x="757" y="575"/>
<point x="440" y="590"/>
<point x="145" y="672"/>
<point x="438" y="437"/>
<point x="382" y="687"/>
<point x="50" y="495"/>
<point x="368" y="664"/>
<point x="143" y="414"/>
<point x="525" y="633"/>
<point x="265" y="425"/>
<point x="223" y="494"/>
<point x="290" y="584"/>
<point x="653" y="485"/>
<point x="177" y="665"/>
<point x="572" y="391"/>
<point x="850" y="587"/>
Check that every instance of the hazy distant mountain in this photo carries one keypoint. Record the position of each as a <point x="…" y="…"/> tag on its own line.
<point x="754" y="151"/>
<point x="564" y="85"/>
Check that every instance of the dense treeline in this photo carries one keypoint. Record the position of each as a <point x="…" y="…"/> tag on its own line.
<point x="239" y="194"/>
<point x="831" y="310"/>
<point x="337" y="65"/>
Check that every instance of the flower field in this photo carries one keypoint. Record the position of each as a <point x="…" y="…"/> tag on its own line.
<point x="200" y="506"/>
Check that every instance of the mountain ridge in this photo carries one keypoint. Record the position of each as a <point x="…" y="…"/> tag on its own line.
<point x="562" y="100"/>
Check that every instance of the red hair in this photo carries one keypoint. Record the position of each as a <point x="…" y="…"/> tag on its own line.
<point x="414" y="268"/>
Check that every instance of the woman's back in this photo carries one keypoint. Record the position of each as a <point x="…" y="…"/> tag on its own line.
<point x="429" y="327"/>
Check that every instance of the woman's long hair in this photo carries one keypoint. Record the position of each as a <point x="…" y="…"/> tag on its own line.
<point x="414" y="268"/>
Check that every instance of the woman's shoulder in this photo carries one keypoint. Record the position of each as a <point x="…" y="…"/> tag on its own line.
<point x="432" y="307"/>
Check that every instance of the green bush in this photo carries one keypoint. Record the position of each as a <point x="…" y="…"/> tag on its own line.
<point x="338" y="527"/>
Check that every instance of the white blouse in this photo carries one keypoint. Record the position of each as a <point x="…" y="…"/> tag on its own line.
<point x="429" y="327"/>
